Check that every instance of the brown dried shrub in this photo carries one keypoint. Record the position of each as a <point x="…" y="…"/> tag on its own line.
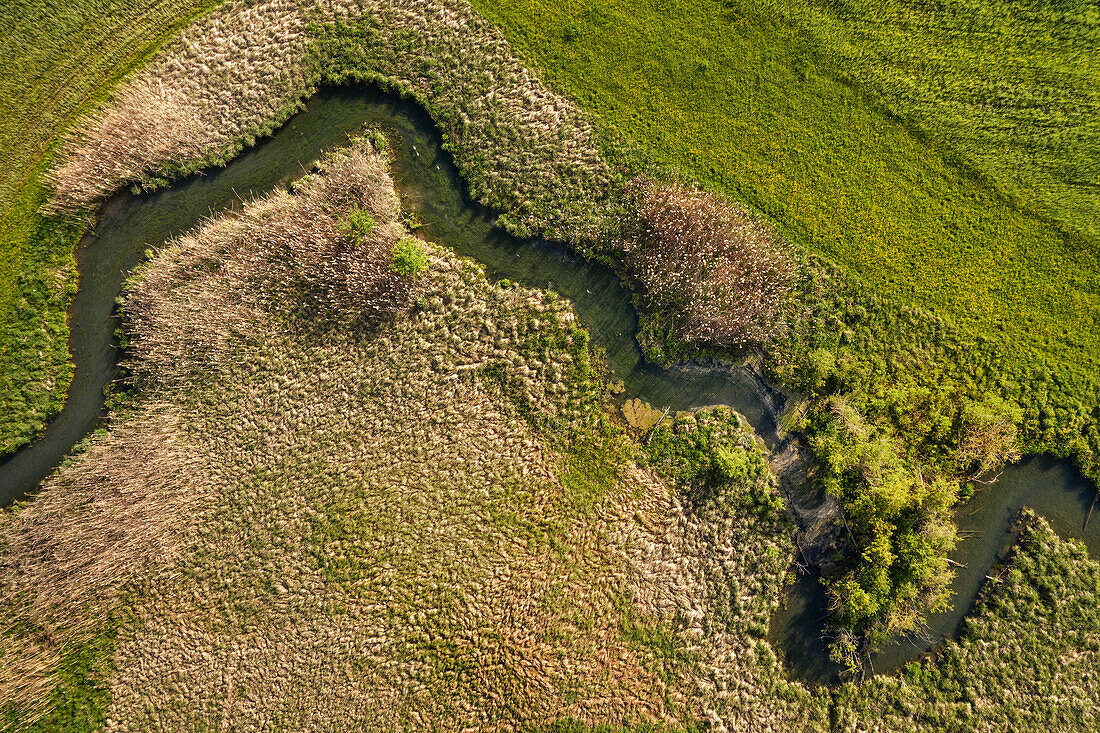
<point x="716" y="272"/>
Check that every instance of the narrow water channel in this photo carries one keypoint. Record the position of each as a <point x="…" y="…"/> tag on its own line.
<point x="431" y="187"/>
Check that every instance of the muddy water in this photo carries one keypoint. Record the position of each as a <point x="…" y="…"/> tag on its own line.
<point x="432" y="188"/>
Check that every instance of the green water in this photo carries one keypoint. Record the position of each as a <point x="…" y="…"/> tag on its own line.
<point x="431" y="187"/>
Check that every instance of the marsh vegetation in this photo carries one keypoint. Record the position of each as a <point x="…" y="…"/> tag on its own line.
<point x="906" y="412"/>
<point x="1025" y="659"/>
<point x="413" y="516"/>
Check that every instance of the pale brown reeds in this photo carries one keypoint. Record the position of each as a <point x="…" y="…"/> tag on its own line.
<point x="119" y="513"/>
<point x="525" y="151"/>
<point x="230" y="76"/>
<point x="288" y="253"/>
<point x="715" y="271"/>
<point x="68" y="554"/>
<point x="362" y="529"/>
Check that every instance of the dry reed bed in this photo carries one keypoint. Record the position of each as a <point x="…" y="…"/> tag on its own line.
<point x="524" y="151"/>
<point x="229" y="77"/>
<point x="120" y="513"/>
<point x="365" y="519"/>
<point x="242" y="70"/>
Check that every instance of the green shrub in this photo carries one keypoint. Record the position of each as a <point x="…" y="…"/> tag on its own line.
<point x="734" y="464"/>
<point x="359" y="224"/>
<point x="409" y="258"/>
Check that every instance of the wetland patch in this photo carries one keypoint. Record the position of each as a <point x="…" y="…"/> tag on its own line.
<point x="432" y="189"/>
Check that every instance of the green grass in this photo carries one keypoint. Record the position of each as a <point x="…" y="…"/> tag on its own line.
<point x="59" y="56"/>
<point x="1023" y="662"/>
<point x="34" y="358"/>
<point x="59" y="60"/>
<point x="912" y="188"/>
<point x="738" y="98"/>
<point x="1014" y="87"/>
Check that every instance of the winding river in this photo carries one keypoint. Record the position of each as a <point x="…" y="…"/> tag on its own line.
<point x="431" y="187"/>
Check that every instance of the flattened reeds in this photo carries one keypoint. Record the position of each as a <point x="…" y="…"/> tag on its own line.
<point x="411" y="525"/>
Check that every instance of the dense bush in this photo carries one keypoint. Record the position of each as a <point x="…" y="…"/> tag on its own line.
<point x="409" y="258"/>
<point x="710" y="270"/>
<point x="1025" y="661"/>
<point x="899" y="519"/>
<point x="906" y="411"/>
<point x="358" y="224"/>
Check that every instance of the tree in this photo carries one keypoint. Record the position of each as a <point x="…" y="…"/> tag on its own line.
<point x="987" y="437"/>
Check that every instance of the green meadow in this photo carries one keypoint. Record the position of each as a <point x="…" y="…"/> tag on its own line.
<point x="743" y="98"/>
<point x="1012" y="87"/>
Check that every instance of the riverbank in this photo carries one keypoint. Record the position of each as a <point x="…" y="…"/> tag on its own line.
<point x="518" y="540"/>
<point x="420" y="519"/>
<point x="533" y="181"/>
<point x="62" y="61"/>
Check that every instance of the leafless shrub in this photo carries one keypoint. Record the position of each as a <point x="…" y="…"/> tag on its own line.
<point x="719" y="273"/>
